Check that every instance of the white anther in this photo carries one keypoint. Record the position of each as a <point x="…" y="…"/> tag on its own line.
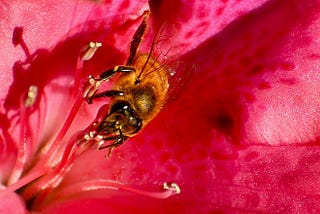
<point x="31" y="96"/>
<point x="172" y="187"/>
<point x="89" y="51"/>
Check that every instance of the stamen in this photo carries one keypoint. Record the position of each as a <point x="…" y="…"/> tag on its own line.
<point x="93" y="185"/>
<point x="55" y="150"/>
<point x="58" y="152"/>
<point x="85" y="54"/>
<point x="89" y="51"/>
<point x="31" y="96"/>
<point x="54" y="176"/>
<point x="173" y="187"/>
<point x="23" y="181"/>
<point x="24" y="145"/>
<point x="91" y="88"/>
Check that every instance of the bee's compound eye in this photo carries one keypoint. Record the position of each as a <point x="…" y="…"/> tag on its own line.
<point x="132" y="125"/>
<point x="119" y="107"/>
<point x="134" y="122"/>
<point x="122" y="115"/>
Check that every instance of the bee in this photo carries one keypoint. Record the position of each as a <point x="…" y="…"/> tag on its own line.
<point x="137" y="96"/>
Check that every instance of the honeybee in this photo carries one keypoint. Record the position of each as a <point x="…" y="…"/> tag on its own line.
<point x="137" y="96"/>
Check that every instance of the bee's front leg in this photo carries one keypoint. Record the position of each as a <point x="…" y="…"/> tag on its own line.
<point x="137" y="38"/>
<point x="90" y="92"/>
<point x="118" y="140"/>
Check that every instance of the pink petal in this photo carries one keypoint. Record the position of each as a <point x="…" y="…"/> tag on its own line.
<point x="32" y="24"/>
<point x="12" y="203"/>
<point x="221" y="110"/>
<point x="264" y="76"/>
<point x="199" y="141"/>
<point x="193" y="22"/>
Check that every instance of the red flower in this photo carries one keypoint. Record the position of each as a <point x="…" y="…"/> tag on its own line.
<point x="241" y="136"/>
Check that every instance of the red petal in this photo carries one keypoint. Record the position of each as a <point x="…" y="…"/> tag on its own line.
<point x="248" y="74"/>
<point x="195" y="141"/>
<point x="196" y="21"/>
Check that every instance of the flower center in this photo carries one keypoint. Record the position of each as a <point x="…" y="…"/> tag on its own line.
<point x="56" y="158"/>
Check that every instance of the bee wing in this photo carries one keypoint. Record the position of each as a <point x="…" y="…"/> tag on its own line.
<point x="180" y="77"/>
<point x="180" y="73"/>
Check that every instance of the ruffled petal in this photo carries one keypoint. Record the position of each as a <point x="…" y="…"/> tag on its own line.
<point x="205" y="140"/>
<point x="254" y="85"/>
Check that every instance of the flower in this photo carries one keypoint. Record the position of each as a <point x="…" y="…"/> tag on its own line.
<point x="240" y="134"/>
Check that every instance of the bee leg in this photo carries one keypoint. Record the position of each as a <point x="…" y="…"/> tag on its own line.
<point x="119" y="139"/>
<point x="105" y="75"/>
<point x="137" y="37"/>
<point x="111" y="93"/>
<point x="117" y="69"/>
<point x="95" y="82"/>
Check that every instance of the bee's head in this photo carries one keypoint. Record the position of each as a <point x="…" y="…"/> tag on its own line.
<point x="121" y="117"/>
